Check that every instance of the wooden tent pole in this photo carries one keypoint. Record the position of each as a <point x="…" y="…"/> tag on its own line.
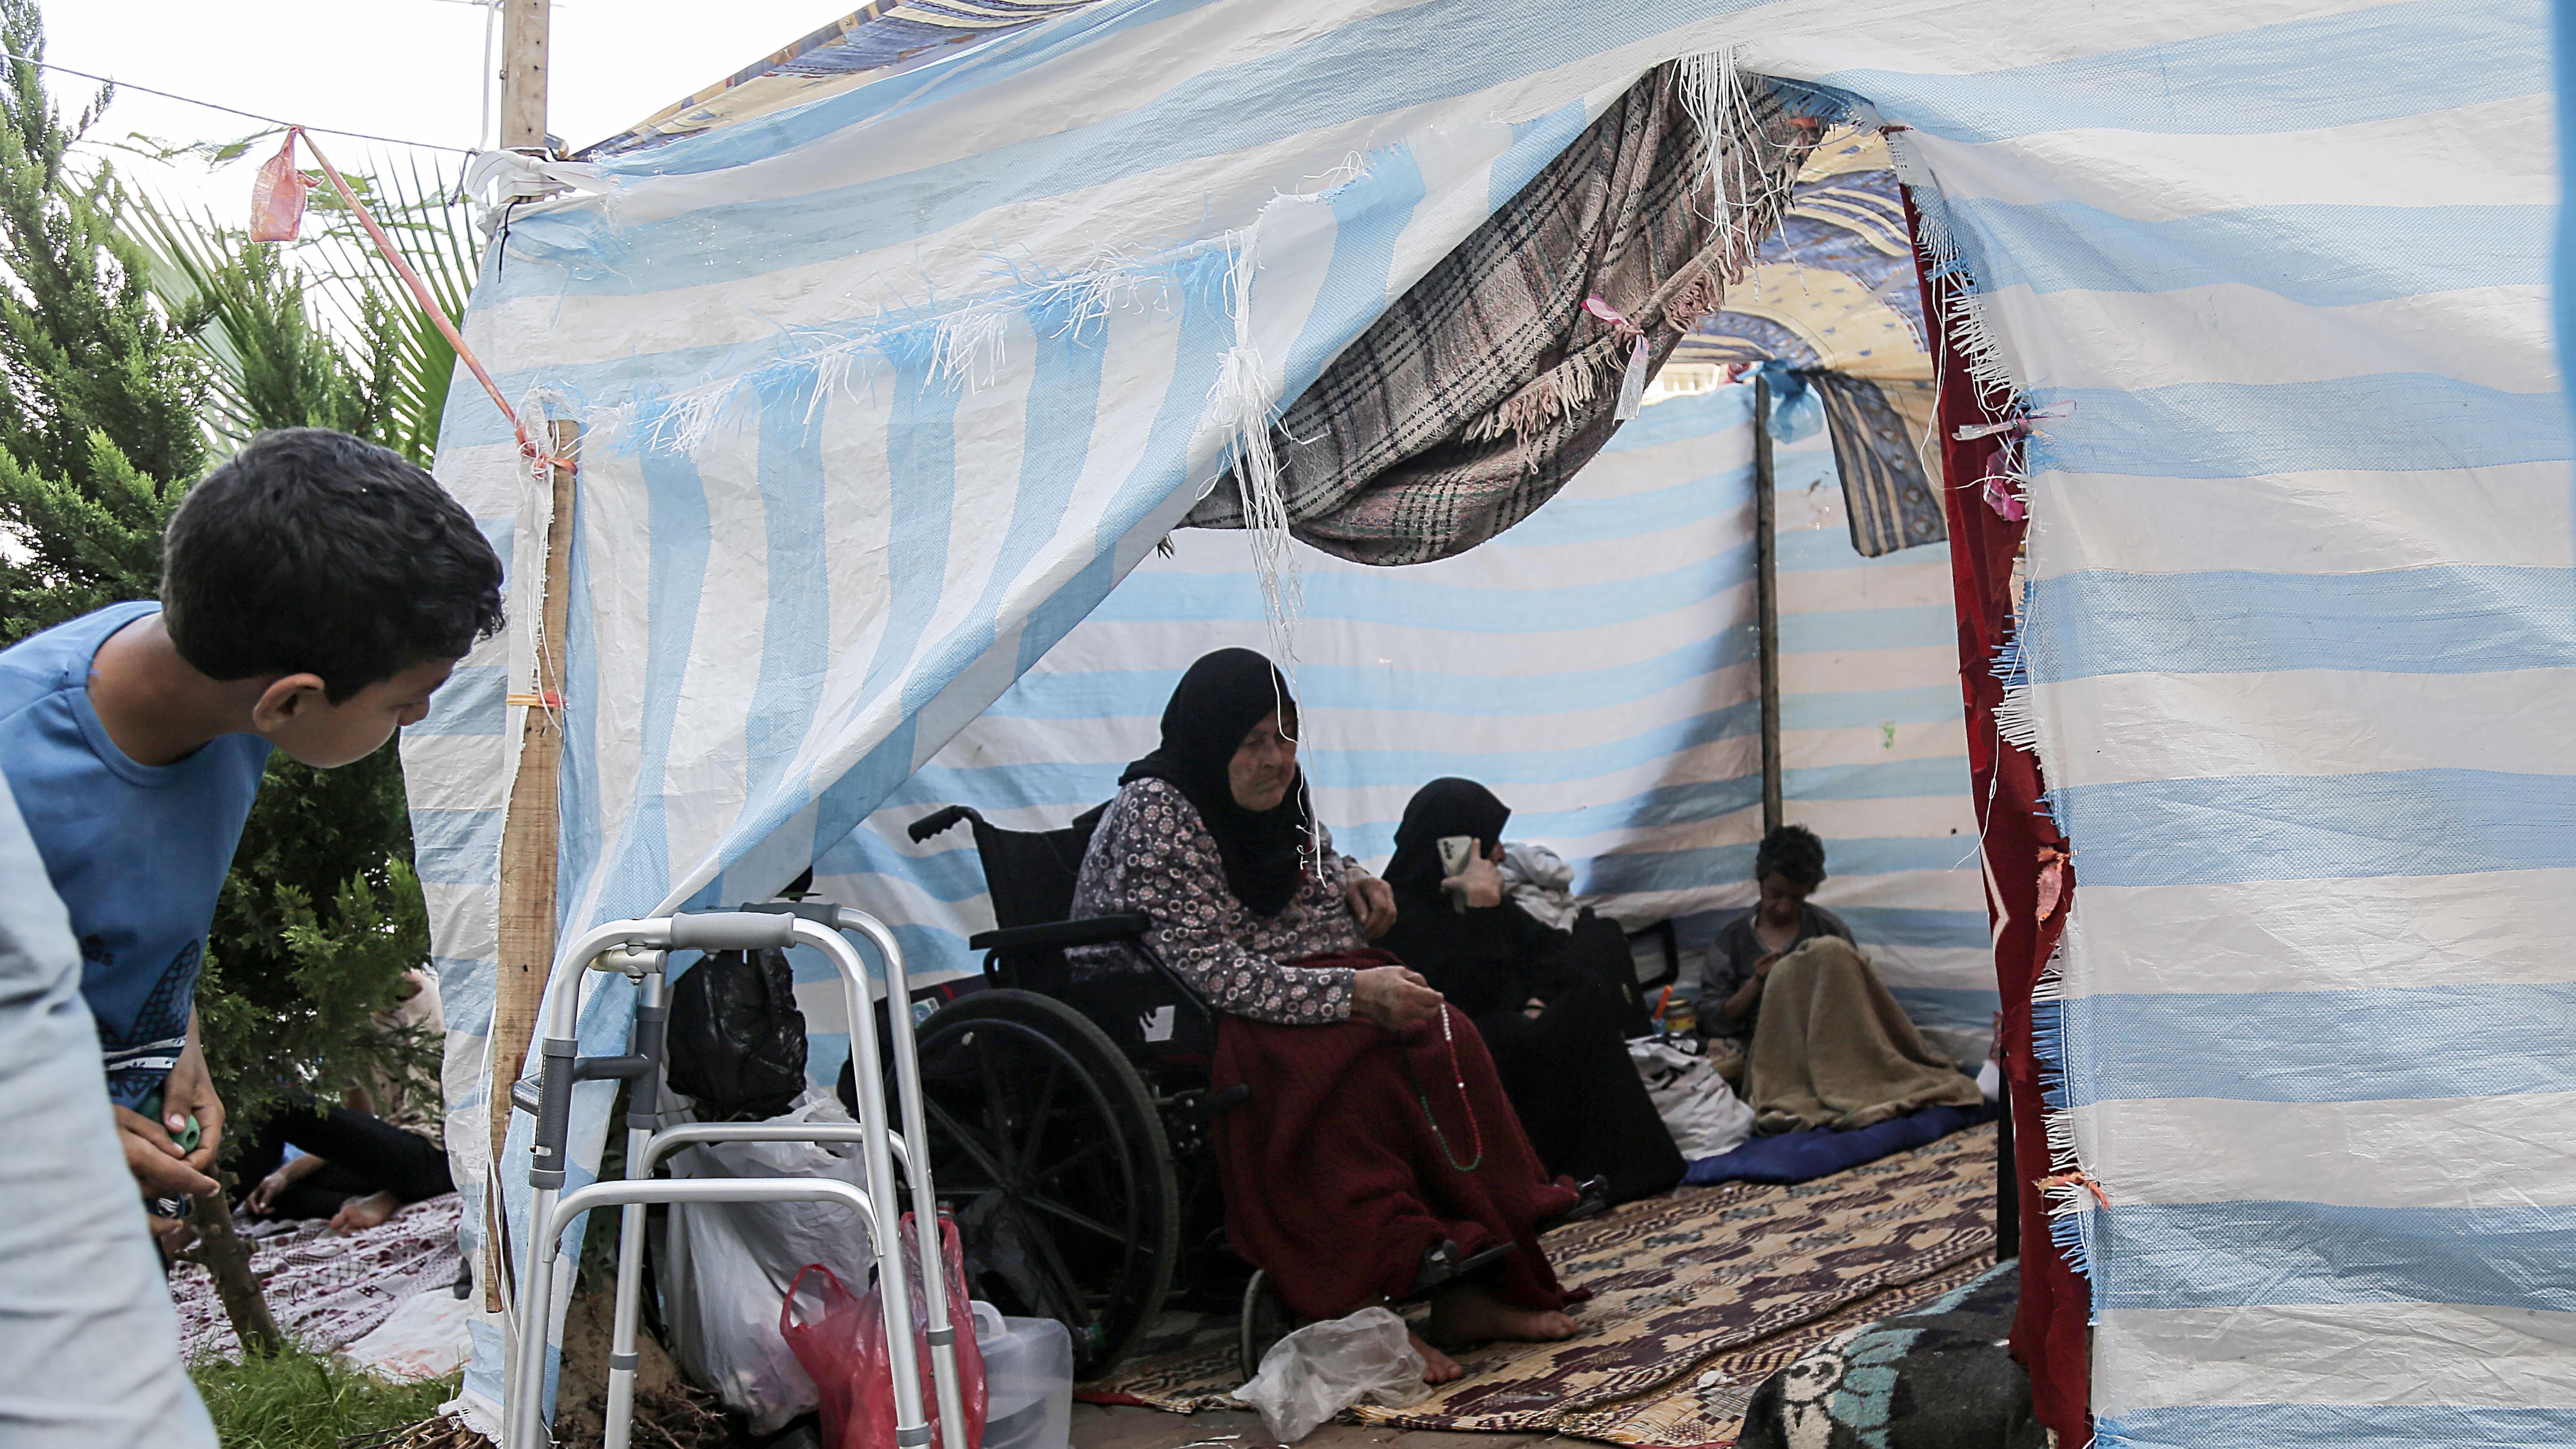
<point x="528" y="825"/>
<point x="1766" y="555"/>
<point x="528" y="839"/>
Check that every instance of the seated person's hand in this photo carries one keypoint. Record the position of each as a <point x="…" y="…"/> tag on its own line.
<point x="1762" y="966"/>
<point x="263" y="1197"/>
<point x="1372" y="900"/>
<point x="1480" y="884"/>
<point x="156" y="1161"/>
<point x="1394" y="997"/>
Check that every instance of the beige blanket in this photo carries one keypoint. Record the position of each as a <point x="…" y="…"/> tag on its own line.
<point x="1833" y="1049"/>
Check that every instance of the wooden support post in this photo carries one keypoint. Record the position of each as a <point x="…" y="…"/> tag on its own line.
<point x="528" y="839"/>
<point x="227" y="1260"/>
<point x="523" y="72"/>
<point x="1766" y="566"/>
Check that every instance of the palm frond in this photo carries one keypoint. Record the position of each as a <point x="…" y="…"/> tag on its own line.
<point x="324" y="333"/>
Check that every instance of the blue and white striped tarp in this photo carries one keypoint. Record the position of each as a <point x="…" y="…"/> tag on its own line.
<point x="884" y="393"/>
<point x="1595" y="665"/>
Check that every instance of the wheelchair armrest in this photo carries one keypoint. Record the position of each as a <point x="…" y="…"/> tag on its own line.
<point x="939" y="820"/>
<point x="1056" y="935"/>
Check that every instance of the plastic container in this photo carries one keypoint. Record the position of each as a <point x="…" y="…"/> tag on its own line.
<point x="1028" y="1376"/>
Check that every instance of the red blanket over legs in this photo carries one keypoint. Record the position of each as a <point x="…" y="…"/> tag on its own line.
<point x="1334" y="1181"/>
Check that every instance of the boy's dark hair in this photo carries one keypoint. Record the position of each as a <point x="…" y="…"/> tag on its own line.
<point x="313" y="551"/>
<point x="1792" y="851"/>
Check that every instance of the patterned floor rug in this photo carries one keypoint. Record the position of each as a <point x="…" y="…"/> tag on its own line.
<point x="325" y="1291"/>
<point x="1697" y="1298"/>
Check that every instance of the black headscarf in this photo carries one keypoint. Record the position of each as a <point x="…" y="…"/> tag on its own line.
<point x="1442" y="808"/>
<point x="1216" y="704"/>
<point x="1485" y="960"/>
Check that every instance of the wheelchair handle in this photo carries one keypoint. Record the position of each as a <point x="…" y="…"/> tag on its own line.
<point x="939" y="820"/>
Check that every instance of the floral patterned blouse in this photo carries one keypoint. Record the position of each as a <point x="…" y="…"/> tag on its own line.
<point x="1153" y="856"/>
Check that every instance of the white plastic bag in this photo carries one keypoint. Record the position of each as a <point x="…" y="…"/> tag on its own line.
<point x="424" y="1339"/>
<point x="1324" y="1368"/>
<point x="1699" y="1109"/>
<point x="728" y="1274"/>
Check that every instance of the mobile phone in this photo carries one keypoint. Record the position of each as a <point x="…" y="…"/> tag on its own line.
<point x="1455" y="852"/>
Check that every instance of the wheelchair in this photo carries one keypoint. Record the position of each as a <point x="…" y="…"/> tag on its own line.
<point x="1070" y="1122"/>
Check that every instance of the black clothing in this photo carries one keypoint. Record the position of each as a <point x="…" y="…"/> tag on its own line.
<point x="1566" y="1070"/>
<point x="1442" y="808"/>
<point x="1215" y="705"/>
<point x="361" y="1155"/>
<point x="1731" y="959"/>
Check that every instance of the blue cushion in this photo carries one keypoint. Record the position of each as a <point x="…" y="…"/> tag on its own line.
<point x="1816" y="1151"/>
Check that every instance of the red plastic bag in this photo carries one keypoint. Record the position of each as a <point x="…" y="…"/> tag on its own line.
<point x="844" y="1350"/>
<point x="277" y="197"/>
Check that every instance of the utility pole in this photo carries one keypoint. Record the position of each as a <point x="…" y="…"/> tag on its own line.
<point x="524" y="67"/>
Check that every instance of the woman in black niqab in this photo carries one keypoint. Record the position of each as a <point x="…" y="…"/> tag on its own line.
<point x="1554" y="1029"/>
<point x="1216" y="705"/>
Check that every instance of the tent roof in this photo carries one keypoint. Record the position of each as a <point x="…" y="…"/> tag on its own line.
<point x="867" y="45"/>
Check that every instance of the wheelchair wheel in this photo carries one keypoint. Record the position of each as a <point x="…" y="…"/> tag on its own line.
<point x="1048" y="1147"/>
<point x="1264" y="1321"/>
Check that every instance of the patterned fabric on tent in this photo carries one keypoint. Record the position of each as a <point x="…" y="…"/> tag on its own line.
<point x="1482" y="388"/>
<point x="868" y="45"/>
<point x="1834" y="301"/>
<point x="882" y="393"/>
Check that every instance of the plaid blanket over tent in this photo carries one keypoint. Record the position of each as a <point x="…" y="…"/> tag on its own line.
<point x="1488" y="383"/>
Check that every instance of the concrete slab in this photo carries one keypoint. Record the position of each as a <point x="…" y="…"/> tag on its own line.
<point x="1098" y="1426"/>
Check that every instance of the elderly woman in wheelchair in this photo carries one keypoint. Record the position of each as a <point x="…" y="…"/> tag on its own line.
<point x="1371" y="1153"/>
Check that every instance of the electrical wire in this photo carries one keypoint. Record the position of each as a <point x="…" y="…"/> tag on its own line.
<point x="228" y="110"/>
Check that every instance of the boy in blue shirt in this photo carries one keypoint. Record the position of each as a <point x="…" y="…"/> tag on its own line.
<point x="315" y="590"/>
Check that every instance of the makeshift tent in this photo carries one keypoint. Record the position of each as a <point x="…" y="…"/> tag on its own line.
<point x="1595" y="665"/>
<point x="881" y="394"/>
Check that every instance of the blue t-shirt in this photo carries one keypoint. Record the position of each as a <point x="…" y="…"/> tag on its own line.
<point x="137" y="852"/>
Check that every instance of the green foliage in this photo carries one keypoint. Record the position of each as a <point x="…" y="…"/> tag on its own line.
<point x="289" y="987"/>
<point x="329" y="338"/>
<point x="98" y="397"/>
<point x="303" y="1401"/>
<point x="132" y="345"/>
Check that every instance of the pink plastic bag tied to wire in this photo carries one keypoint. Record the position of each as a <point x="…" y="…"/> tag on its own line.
<point x="277" y="196"/>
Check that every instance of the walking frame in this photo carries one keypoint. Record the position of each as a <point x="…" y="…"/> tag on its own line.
<point x="639" y="950"/>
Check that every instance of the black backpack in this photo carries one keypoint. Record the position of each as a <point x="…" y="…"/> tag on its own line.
<point x="736" y="1041"/>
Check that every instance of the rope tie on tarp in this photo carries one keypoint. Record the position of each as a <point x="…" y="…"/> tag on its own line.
<point x="277" y="212"/>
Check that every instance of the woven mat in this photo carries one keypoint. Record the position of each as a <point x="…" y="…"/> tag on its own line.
<point x="325" y="1291"/>
<point x="1697" y="1297"/>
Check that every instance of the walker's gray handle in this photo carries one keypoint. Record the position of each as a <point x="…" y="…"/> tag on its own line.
<point x="731" y="931"/>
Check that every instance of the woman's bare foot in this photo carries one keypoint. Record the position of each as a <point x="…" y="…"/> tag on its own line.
<point x="1437" y="1367"/>
<point x="361" y="1213"/>
<point x="1467" y="1313"/>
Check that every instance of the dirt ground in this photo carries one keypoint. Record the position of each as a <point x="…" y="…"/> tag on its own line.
<point x="1097" y="1427"/>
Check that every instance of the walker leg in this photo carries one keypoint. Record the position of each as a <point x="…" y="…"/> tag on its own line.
<point x="911" y="1423"/>
<point x="643" y="1115"/>
<point x="621" y="1345"/>
<point x="526" y="1411"/>
<point x="941" y="1333"/>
